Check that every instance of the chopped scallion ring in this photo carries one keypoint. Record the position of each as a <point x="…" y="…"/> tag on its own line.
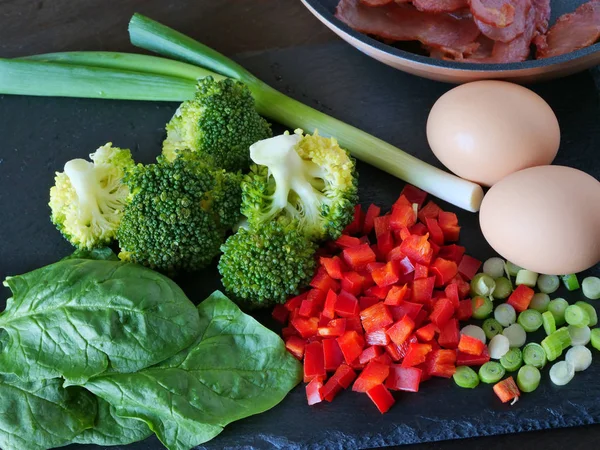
<point x="557" y="307"/>
<point x="465" y="377"/>
<point x="516" y="335"/>
<point x="499" y="346"/>
<point x="503" y="288"/>
<point x="528" y="378"/>
<point x="595" y="338"/>
<point x="526" y="277"/>
<point x="580" y="357"/>
<point x="512" y="269"/>
<point x="505" y="314"/>
<point x="530" y="320"/>
<point x="561" y="373"/>
<point x="512" y="360"/>
<point x="491" y="372"/>
<point x="494" y="267"/>
<point x="570" y="282"/>
<point x="549" y="323"/>
<point x="491" y="327"/>
<point x="540" y="302"/>
<point x="591" y="287"/>
<point x="576" y="316"/>
<point x="475" y="332"/>
<point x="482" y="284"/>
<point x="534" y="355"/>
<point x="482" y="307"/>
<point x="590" y="310"/>
<point x="555" y="343"/>
<point x="579" y="335"/>
<point x="548" y="284"/>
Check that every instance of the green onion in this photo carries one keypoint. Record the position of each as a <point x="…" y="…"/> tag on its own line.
<point x="555" y="343"/>
<point x="512" y="269"/>
<point x="595" y="338"/>
<point x="475" y="332"/>
<point x="570" y="282"/>
<point x="540" y="302"/>
<point x="549" y="323"/>
<point x="512" y="360"/>
<point x="591" y="312"/>
<point x="465" y="377"/>
<point x="558" y="307"/>
<point x="576" y="316"/>
<point x="516" y="335"/>
<point x="528" y="378"/>
<point x="491" y="372"/>
<point x="579" y="335"/>
<point x="534" y="355"/>
<point x="505" y="314"/>
<point x="499" y="346"/>
<point x="561" y="373"/>
<point x="548" y="284"/>
<point x="591" y="287"/>
<point x="482" y="307"/>
<point x="491" y="327"/>
<point x="530" y="320"/>
<point x="503" y="288"/>
<point x="482" y="284"/>
<point x="580" y="357"/>
<point x="494" y="267"/>
<point x="526" y="277"/>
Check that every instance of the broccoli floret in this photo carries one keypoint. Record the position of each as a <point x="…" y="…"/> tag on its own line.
<point x="220" y="123"/>
<point x="308" y="179"/>
<point x="262" y="266"/>
<point x="178" y="214"/>
<point x="88" y="198"/>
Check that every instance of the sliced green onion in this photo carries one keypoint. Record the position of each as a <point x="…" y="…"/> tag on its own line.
<point x="526" y="277"/>
<point x="528" y="378"/>
<point x="512" y="269"/>
<point x="591" y="312"/>
<point x="580" y="357"/>
<point x="570" y="282"/>
<point x="549" y="323"/>
<point x="491" y="372"/>
<point x="561" y="373"/>
<point x="516" y="335"/>
<point x="482" y="307"/>
<point x="548" y="284"/>
<point x="595" y="338"/>
<point x="591" y="287"/>
<point x="465" y="377"/>
<point x="505" y="314"/>
<point x="576" y="316"/>
<point x="499" y="346"/>
<point x="491" y="327"/>
<point x="482" y="284"/>
<point x="534" y="355"/>
<point x="540" y="302"/>
<point x="475" y="332"/>
<point x="555" y="343"/>
<point x="494" y="267"/>
<point x="503" y="288"/>
<point x="530" y="320"/>
<point x="558" y="307"/>
<point x="579" y="335"/>
<point x="512" y="360"/>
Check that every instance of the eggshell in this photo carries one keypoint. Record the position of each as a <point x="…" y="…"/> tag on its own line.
<point x="545" y="219"/>
<point x="486" y="130"/>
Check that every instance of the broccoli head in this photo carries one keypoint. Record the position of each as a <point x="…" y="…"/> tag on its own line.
<point x="307" y="179"/>
<point x="88" y="198"/>
<point x="178" y="214"/>
<point x="220" y="124"/>
<point x="262" y="266"/>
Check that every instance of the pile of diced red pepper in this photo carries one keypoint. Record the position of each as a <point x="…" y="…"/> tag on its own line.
<point x="384" y="306"/>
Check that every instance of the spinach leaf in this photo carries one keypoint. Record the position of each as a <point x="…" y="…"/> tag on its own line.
<point x="78" y="318"/>
<point x="235" y="369"/>
<point x="110" y="429"/>
<point x="42" y="414"/>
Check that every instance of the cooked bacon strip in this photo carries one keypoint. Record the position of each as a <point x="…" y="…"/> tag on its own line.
<point x="439" y="6"/>
<point x="571" y="31"/>
<point x="543" y="10"/>
<point x="510" y="32"/>
<point x="376" y="2"/>
<point x="498" y="13"/>
<point x="405" y="23"/>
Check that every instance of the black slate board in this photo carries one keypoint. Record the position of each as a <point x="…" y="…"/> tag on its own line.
<point x="40" y="134"/>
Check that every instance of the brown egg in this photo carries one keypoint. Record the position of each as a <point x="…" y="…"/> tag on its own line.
<point x="485" y="130"/>
<point x="545" y="219"/>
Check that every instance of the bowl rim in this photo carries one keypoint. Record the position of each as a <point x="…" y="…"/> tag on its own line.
<point x="316" y="6"/>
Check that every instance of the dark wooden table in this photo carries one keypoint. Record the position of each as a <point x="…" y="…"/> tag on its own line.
<point x="258" y="31"/>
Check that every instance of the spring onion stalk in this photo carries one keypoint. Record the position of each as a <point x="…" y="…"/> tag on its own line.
<point x="555" y="343"/>
<point x="516" y="335"/>
<point x="491" y="372"/>
<point x="534" y="355"/>
<point x="505" y="314"/>
<point x="491" y="327"/>
<point x="576" y="316"/>
<point x="482" y="307"/>
<point x="549" y="323"/>
<point x="591" y="287"/>
<point x="465" y="377"/>
<point x="591" y="312"/>
<point x="595" y="338"/>
<point x="540" y="302"/>
<point x="562" y="373"/>
<point x="482" y="284"/>
<point x="512" y="269"/>
<point x="528" y="378"/>
<point x="475" y="332"/>
<point x="547" y="284"/>
<point x="580" y="357"/>
<point x="150" y="35"/>
<point x="499" y="346"/>
<point x="494" y="267"/>
<point x="579" y="335"/>
<point x="503" y="288"/>
<point x="512" y="360"/>
<point x="530" y="320"/>
<point x="570" y="282"/>
<point x="557" y="307"/>
<point x="526" y="277"/>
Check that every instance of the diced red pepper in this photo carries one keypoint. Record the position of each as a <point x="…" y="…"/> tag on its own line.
<point x="314" y="362"/>
<point x="323" y="321"/>
<point x="449" y="334"/>
<point x="452" y="252"/>
<point x="375" y="373"/>
<point x="402" y="201"/>
<point x="341" y="379"/>
<point x="306" y="327"/>
<point x="380" y="292"/>
<point x="352" y="344"/>
<point x="451" y="293"/>
<point x="403" y="216"/>
<point x="353" y="324"/>
<point x="414" y="194"/>
<point x="449" y="224"/>
<point x="372" y="212"/>
<point x="441" y="363"/>
<point x="387" y="275"/>
<point x="313" y="391"/>
<point x="382" y="398"/>
<point x="417" y="248"/>
<point x="421" y="271"/>
<point x="402" y="233"/>
<point x="418" y="229"/>
<point x="470" y="345"/>
<point x="376" y="317"/>
<point x="329" y="307"/>
<point x="444" y="271"/>
<point x="435" y="249"/>
<point x="421" y="317"/>
<point x="378" y="337"/>
<point x="417" y="354"/>
<point x="406" y="309"/>
<point x="382" y="225"/>
<point x="426" y="333"/>
<point x="280" y="313"/>
<point x="332" y="354"/>
<point x="384" y="358"/>
<point x="422" y="290"/>
<point x="334" y="328"/>
<point x="353" y="282"/>
<point x="429" y="210"/>
<point x="464" y="359"/>
<point x="288" y="332"/>
<point x="465" y="310"/>
<point x="396" y="255"/>
<point x="369" y="353"/>
<point x="464" y="288"/>
<point x="469" y="267"/>
<point x="345" y="241"/>
<point x="295" y="345"/>
<point x="442" y="312"/>
<point x="295" y="302"/>
<point x="346" y="305"/>
<point x="404" y="378"/>
<point x="309" y="307"/>
<point x="395" y="351"/>
<point x="333" y="267"/>
<point x="367" y="279"/>
<point x="356" y="225"/>
<point x="507" y="390"/>
<point x="401" y="330"/>
<point x="424" y="374"/>
<point x="396" y="295"/>
<point x="366" y="302"/>
<point x="385" y="243"/>
<point x="374" y="266"/>
<point x="406" y="266"/>
<point x="358" y="257"/>
<point x="435" y="232"/>
<point x="521" y="297"/>
<point x="323" y="281"/>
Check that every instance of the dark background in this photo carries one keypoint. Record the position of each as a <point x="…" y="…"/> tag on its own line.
<point x="284" y="45"/>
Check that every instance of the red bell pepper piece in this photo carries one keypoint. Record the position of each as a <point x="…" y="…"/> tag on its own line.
<point x="384" y="358"/>
<point x="403" y="216"/>
<point x="451" y="293"/>
<point x="405" y="265"/>
<point x="465" y="310"/>
<point x="309" y="307"/>
<point x="470" y="345"/>
<point x="280" y="314"/>
<point x="414" y="194"/>
<point x="395" y="351"/>
<point x="323" y="281"/>
<point x="295" y="302"/>
<point x="396" y="295"/>
<point x="345" y="241"/>
<point x="295" y="345"/>
<point x="353" y="324"/>
<point x="507" y="390"/>
<point x="402" y="201"/>
<point x="430" y="210"/>
<point x="426" y="333"/>
<point x="329" y="307"/>
<point x="334" y="328"/>
<point x="369" y="353"/>
<point x="353" y="282"/>
<point x="422" y="316"/>
<point x="358" y="257"/>
<point x="385" y="243"/>
<point x="464" y="359"/>
<point x="373" y="211"/>
<point x="376" y="317"/>
<point x="441" y="363"/>
<point x="404" y="378"/>
<point x="405" y="309"/>
<point x="418" y="249"/>
<point x="306" y="327"/>
<point x="356" y="225"/>
<point x="382" y="398"/>
<point x="332" y="354"/>
<point x="323" y="321"/>
<point x="401" y="330"/>
<point x="396" y="254"/>
<point x="521" y="297"/>
<point x="352" y="344"/>
<point x="387" y="275"/>
<point x="333" y="267"/>
<point x="417" y="354"/>
<point x="449" y="224"/>
<point x="449" y="335"/>
<point x="418" y="229"/>
<point x="313" y="391"/>
<point x="366" y="302"/>
<point x="421" y="271"/>
<point x="374" y="266"/>
<point x="422" y="290"/>
<point x="367" y="279"/>
<point x="402" y="233"/>
<point x="435" y="232"/>
<point x="464" y="288"/>
<point x="469" y="267"/>
<point x="346" y="305"/>
<point x="375" y="373"/>
<point x="380" y="292"/>
<point x="452" y="252"/>
<point x="442" y="312"/>
<point x="378" y="337"/>
<point x="382" y="224"/>
<point x="341" y="379"/>
<point x="444" y="271"/>
<point x="314" y="362"/>
<point x="288" y="332"/>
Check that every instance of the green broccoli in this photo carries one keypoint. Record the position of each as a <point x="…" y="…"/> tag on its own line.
<point x="220" y="123"/>
<point x="178" y="214"/>
<point x="264" y="265"/>
<point x="308" y="179"/>
<point x="88" y="198"/>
